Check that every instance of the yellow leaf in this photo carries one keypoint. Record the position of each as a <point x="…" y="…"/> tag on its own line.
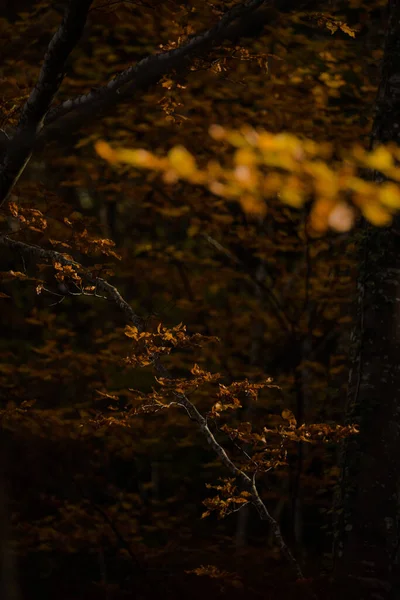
<point x="376" y="214"/>
<point x="266" y="141"/>
<point x="182" y="161"/>
<point x="105" y="151"/>
<point x="292" y="193"/>
<point x="389" y="195"/>
<point x="245" y="156"/>
<point x="137" y="157"/>
<point x="291" y="197"/>
<point x="346" y="29"/>
<point x="131" y="331"/>
<point x="380" y="159"/>
<point x="235" y="138"/>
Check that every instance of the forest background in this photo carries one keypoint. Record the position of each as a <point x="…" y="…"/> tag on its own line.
<point x="110" y="488"/>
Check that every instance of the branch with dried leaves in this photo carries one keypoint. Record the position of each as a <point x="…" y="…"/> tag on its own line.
<point x="246" y="482"/>
<point x="101" y="284"/>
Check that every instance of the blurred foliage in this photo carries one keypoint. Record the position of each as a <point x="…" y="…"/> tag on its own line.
<point x="105" y="509"/>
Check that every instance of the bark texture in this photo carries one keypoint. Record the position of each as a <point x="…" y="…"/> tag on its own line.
<point x="367" y="535"/>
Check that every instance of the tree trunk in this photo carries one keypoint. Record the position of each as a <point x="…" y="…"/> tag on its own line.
<point x="367" y="531"/>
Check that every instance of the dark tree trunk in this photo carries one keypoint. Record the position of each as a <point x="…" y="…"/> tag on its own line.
<point x="367" y="534"/>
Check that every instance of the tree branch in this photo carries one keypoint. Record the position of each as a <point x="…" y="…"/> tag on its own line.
<point x="45" y="125"/>
<point x="75" y="112"/>
<point x="244" y="480"/>
<point x="150" y="69"/>
<point x="102" y="285"/>
<point x="19" y="148"/>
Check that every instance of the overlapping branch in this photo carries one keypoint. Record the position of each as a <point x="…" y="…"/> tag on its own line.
<point x="19" y="148"/>
<point x="152" y="68"/>
<point x="40" y="124"/>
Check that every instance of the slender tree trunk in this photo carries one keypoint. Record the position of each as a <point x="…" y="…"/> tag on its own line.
<point x="367" y="532"/>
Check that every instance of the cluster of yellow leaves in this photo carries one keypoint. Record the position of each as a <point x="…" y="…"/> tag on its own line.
<point x="149" y="345"/>
<point x="295" y="170"/>
<point x="230" y="499"/>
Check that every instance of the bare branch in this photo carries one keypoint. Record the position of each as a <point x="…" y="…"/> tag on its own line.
<point x="19" y="148"/>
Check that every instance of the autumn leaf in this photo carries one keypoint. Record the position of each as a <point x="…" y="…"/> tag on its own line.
<point x="380" y="159"/>
<point x="182" y="161"/>
<point x="376" y="214"/>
